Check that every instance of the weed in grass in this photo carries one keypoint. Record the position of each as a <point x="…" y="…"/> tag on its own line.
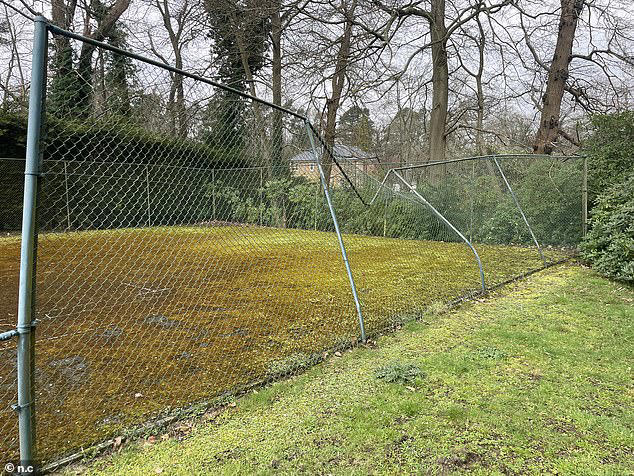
<point x="489" y="353"/>
<point x="399" y="372"/>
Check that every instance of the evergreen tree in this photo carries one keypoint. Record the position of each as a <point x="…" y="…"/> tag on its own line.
<point x="239" y="32"/>
<point x="356" y="128"/>
<point x="119" y="70"/>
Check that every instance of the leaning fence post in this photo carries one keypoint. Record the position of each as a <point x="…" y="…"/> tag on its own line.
<point x="517" y="204"/>
<point x="26" y="293"/>
<point x="334" y="220"/>
<point x="441" y="217"/>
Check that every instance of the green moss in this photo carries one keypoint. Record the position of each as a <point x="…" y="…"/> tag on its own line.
<point x="134" y="321"/>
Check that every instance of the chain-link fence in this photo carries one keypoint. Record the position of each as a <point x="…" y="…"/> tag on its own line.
<point x="187" y="249"/>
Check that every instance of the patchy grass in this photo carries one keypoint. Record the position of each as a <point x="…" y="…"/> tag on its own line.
<point x="537" y="379"/>
<point x="134" y="322"/>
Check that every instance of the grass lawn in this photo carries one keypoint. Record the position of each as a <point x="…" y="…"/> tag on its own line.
<point x="536" y="378"/>
<point x="133" y="322"/>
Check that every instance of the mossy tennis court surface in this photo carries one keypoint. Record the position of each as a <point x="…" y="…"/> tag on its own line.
<point x="134" y="322"/>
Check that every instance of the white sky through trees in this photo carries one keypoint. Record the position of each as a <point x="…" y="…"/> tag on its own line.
<point x="393" y="73"/>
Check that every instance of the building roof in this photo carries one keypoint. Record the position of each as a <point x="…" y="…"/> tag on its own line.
<point x="340" y="151"/>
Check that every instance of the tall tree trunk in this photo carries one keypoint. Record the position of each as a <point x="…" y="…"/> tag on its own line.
<point x="440" y="83"/>
<point x="277" y="169"/>
<point x="276" y="36"/>
<point x="480" y="91"/>
<point x="176" y="103"/>
<point x="493" y="172"/>
<point x="62" y="15"/>
<point x="180" y="104"/>
<point x="557" y="75"/>
<point x="177" y="97"/>
<point x="84" y="66"/>
<point x="337" y="84"/>
<point x="177" y="94"/>
<point x="480" y="117"/>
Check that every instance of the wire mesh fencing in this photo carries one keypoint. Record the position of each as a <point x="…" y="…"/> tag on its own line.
<point x="187" y="249"/>
<point x="12" y="173"/>
<point x="452" y="229"/>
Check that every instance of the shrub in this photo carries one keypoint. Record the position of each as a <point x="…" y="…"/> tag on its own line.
<point x="610" y="150"/>
<point x="549" y="193"/>
<point x="90" y="147"/>
<point x="609" y="246"/>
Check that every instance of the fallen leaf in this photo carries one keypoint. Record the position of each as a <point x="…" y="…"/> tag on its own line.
<point x="138" y="395"/>
<point x="158" y="470"/>
<point x="338" y="354"/>
<point x="233" y="404"/>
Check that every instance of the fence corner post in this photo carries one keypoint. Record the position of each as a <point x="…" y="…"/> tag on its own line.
<point x="28" y="251"/>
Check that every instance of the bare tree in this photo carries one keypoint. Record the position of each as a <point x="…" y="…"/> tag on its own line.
<point x="99" y="22"/>
<point x="336" y="57"/>
<point x="591" y="61"/>
<point x="337" y="82"/>
<point x="12" y="76"/>
<point x="440" y="29"/>
<point x="549" y="128"/>
<point x="181" y="28"/>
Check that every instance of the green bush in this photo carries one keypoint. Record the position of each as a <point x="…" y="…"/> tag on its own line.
<point x="610" y="150"/>
<point x="609" y="246"/>
<point x="111" y="140"/>
<point x="550" y="196"/>
<point x="105" y="201"/>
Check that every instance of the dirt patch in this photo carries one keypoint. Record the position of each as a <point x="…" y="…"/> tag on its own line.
<point x="73" y="369"/>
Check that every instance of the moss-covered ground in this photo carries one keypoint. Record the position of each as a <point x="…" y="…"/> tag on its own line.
<point x="133" y="322"/>
<point x="535" y="379"/>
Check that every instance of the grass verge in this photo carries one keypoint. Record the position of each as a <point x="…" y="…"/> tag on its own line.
<point x="536" y="378"/>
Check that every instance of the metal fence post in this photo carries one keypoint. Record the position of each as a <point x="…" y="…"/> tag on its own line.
<point x="471" y="195"/>
<point x="316" y="205"/>
<point x="261" y="191"/>
<point x="26" y="294"/>
<point x="147" y="187"/>
<point x="584" y="198"/>
<point x="385" y="216"/>
<point x="67" y="196"/>
<point x="334" y="220"/>
<point x="213" y="195"/>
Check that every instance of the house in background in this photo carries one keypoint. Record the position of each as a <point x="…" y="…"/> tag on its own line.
<point x="356" y="162"/>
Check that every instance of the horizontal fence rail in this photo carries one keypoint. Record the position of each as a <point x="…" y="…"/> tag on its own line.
<point x="191" y="242"/>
